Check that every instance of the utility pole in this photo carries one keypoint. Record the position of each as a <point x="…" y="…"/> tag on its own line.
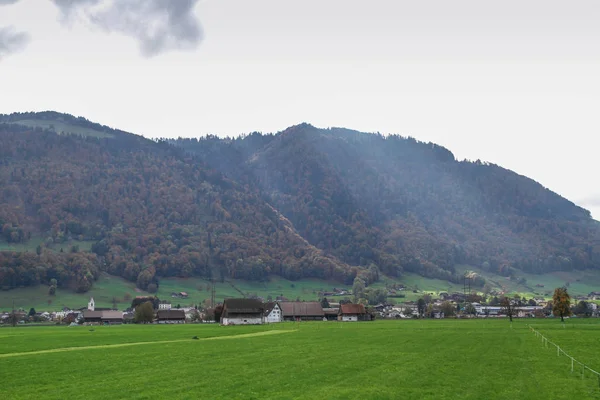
<point x="13" y="317"/>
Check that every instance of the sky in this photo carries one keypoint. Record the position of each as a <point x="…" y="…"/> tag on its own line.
<point x="515" y="83"/>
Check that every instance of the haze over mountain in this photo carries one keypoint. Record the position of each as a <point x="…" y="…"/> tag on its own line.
<point x="305" y="202"/>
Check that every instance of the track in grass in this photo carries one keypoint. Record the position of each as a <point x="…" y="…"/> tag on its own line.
<point x="112" y="346"/>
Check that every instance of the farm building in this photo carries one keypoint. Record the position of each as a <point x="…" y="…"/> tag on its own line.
<point x="353" y="312"/>
<point x="103" y="317"/>
<point x="331" y="313"/>
<point x="273" y="313"/>
<point x="242" y="312"/>
<point x="170" y="316"/>
<point x="302" y="311"/>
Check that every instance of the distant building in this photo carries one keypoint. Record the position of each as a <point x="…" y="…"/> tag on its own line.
<point x="273" y="313"/>
<point x="103" y="317"/>
<point x="242" y="312"/>
<point x="91" y="304"/>
<point x="170" y="316"/>
<point x="164" y="305"/>
<point x="353" y="312"/>
<point x="302" y="311"/>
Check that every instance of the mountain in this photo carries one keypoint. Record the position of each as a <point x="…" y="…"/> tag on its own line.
<point x="151" y="210"/>
<point x="405" y="205"/>
<point x="305" y="202"/>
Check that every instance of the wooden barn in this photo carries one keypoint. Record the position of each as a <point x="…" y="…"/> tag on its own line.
<point x="242" y="312"/>
<point x="353" y="312"/>
<point x="302" y="311"/>
<point x="170" y="317"/>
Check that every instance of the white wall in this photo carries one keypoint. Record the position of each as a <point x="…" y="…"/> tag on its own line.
<point x="349" y="318"/>
<point x="242" y="321"/>
<point x="274" y="316"/>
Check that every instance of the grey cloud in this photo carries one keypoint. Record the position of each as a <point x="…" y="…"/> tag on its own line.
<point x="6" y="2"/>
<point x="158" y="25"/>
<point x="11" y="41"/>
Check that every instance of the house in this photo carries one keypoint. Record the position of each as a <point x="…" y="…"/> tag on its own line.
<point x="273" y="313"/>
<point x="242" y="312"/>
<point x="302" y="311"/>
<point x="353" y="312"/>
<point x="331" y="313"/>
<point x="103" y="317"/>
<point x="91" y="304"/>
<point x="164" y="305"/>
<point x="170" y="316"/>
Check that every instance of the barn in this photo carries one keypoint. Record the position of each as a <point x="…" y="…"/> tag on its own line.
<point x="242" y="312"/>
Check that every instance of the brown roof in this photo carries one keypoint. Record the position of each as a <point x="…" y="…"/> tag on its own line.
<point x="331" y="311"/>
<point x="170" y="314"/>
<point x="352" y="309"/>
<point x="269" y="307"/>
<point x="243" y="306"/>
<point x="103" y="314"/>
<point x="301" y="309"/>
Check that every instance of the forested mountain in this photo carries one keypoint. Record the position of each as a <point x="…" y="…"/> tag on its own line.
<point x="405" y="205"/>
<point x="304" y="202"/>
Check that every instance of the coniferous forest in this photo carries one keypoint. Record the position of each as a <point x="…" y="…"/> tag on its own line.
<point x="305" y="202"/>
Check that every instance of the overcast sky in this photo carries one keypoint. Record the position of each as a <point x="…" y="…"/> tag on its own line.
<point x="515" y="83"/>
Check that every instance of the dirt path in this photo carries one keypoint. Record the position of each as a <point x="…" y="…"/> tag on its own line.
<point x="110" y="346"/>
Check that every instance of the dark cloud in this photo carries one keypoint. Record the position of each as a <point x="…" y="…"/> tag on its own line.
<point x="158" y="25"/>
<point x="11" y="41"/>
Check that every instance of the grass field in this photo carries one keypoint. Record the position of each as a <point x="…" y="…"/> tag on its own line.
<point x="430" y="359"/>
<point x="107" y="287"/>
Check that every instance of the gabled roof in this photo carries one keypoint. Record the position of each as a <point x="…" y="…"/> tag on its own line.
<point x="243" y="306"/>
<point x="302" y="309"/>
<point x="352" y="309"/>
<point x="269" y="307"/>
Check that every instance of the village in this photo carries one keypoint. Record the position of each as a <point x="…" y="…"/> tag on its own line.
<point x="246" y="311"/>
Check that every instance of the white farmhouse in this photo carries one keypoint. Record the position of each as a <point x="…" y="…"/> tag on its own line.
<point x="273" y="313"/>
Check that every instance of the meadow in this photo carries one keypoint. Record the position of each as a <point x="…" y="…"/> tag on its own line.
<point x="415" y="359"/>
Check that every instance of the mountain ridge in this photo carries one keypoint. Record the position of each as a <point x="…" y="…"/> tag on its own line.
<point x="305" y="202"/>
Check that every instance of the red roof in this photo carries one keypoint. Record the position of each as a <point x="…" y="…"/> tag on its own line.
<point x="352" y="309"/>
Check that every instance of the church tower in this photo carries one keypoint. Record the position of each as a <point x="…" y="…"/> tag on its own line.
<point x="91" y="304"/>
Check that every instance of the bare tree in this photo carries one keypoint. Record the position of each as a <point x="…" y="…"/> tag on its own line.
<point x="509" y="307"/>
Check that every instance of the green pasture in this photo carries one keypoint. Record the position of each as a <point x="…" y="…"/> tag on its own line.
<point x="429" y="359"/>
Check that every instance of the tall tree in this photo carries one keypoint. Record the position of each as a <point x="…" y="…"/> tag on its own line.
<point x="421" y="305"/>
<point x="144" y="313"/>
<point x="509" y="307"/>
<point x="561" y="303"/>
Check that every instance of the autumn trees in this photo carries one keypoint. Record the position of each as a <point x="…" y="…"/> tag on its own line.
<point x="561" y="303"/>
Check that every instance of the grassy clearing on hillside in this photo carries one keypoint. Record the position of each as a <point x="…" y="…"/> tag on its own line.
<point x="580" y="282"/>
<point x="63" y="128"/>
<point x="440" y="359"/>
<point x="103" y="291"/>
<point x="199" y="289"/>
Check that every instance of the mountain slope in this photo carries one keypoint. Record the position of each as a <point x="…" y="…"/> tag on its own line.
<point x="405" y="205"/>
<point x="305" y="202"/>
<point x="152" y="210"/>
